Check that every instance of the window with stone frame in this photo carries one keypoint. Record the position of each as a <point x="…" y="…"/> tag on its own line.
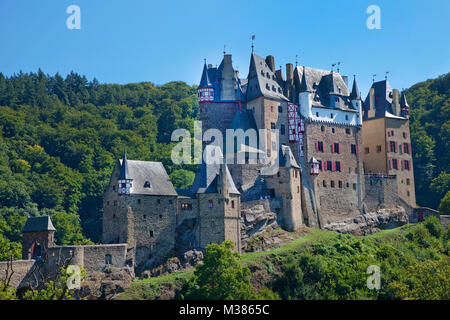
<point x="210" y="204"/>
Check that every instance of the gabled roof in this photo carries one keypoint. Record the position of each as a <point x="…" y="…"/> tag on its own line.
<point x="208" y="171"/>
<point x="262" y="81"/>
<point x="153" y="172"/>
<point x="38" y="224"/>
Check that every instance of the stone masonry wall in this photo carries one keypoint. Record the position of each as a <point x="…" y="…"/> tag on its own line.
<point x="339" y="192"/>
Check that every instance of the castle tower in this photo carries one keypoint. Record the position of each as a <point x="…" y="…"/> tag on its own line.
<point x="356" y="101"/>
<point x="125" y="182"/>
<point x="386" y="138"/>
<point x="37" y="237"/>
<point x="218" y="201"/>
<point x="219" y="95"/>
<point x="205" y="88"/>
<point x="332" y="135"/>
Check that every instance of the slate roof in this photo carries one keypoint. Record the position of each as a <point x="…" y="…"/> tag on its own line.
<point x="38" y="224"/>
<point x="355" y="91"/>
<point x="403" y="102"/>
<point x="262" y="81"/>
<point x="207" y="174"/>
<point x="124" y="171"/>
<point x="322" y="84"/>
<point x="383" y="101"/>
<point x="287" y="158"/>
<point x="204" y="82"/>
<point x="153" y="172"/>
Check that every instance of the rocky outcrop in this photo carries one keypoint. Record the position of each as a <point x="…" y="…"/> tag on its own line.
<point x="187" y="260"/>
<point x="371" y="222"/>
<point x="106" y="285"/>
<point x="256" y="220"/>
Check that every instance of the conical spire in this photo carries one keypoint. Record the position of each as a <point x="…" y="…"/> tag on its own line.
<point x="304" y="87"/>
<point x="204" y="82"/>
<point x="403" y="102"/>
<point x="355" y="91"/>
<point x="124" y="171"/>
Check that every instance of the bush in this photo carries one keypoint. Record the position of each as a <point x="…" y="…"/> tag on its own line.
<point x="220" y="277"/>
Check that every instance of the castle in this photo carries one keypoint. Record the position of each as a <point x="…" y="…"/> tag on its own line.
<point x="337" y="156"/>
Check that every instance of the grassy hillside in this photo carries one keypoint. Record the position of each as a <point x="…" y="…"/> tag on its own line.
<point x="414" y="263"/>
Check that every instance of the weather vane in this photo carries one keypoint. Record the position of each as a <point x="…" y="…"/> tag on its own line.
<point x="253" y="45"/>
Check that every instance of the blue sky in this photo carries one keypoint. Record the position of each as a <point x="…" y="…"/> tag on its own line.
<point x="161" y="41"/>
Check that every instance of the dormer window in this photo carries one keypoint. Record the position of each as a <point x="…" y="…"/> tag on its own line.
<point x="147" y="184"/>
<point x="273" y="89"/>
<point x="262" y="72"/>
<point x="268" y="75"/>
<point x="267" y="86"/>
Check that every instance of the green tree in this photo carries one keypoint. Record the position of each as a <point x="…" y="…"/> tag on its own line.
<point x="182" y="178"/>
<point x="444" y="207"/>
<point x="220" y="277"/>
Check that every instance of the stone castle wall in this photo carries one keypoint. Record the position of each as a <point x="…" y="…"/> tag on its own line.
<point x="339" y="193"/>
<point x="380" y="192"/>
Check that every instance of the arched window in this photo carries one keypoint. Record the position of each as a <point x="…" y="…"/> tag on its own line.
<point x="108" y="259"/>
<point x="147" y="184"/>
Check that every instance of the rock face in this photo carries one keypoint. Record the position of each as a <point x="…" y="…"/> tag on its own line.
<point x="256" y="220"/>
<point x="186" y="261"/>
<point x="106" y="285"/>
<point x="371" y="222"/>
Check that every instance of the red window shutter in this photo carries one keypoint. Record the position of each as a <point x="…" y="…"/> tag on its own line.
<point x="333" y="166"/>
<point x="317" y="146"/>
<point x="339" y="148"/>
<point x="356" y="148"/>
<point x="409" y="149"/>
<point x="332" y="148"/>
<point x="390" y="163"/>
<point x="396" y="147"/>
<point x="323" y="144"/>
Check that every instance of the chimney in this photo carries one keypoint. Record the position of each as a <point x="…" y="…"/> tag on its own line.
<point x="289" y="72"/>
<point x="395" y="102"/>
<point x="279" y="75"/>
<point x="210" y="66"/>
<point x="270" y="60"/>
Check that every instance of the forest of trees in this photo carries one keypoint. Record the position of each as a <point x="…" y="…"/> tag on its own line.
<point x="60" y="138"/>
<point x="430" y="134"/>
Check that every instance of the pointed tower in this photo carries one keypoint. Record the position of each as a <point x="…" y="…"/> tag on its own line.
<point x="305" y="96"/>
<point x="125" y="181"/>
<point x="355" y="99"/>
<point x="404" y="107"/>
<point x="205" y="89"/>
